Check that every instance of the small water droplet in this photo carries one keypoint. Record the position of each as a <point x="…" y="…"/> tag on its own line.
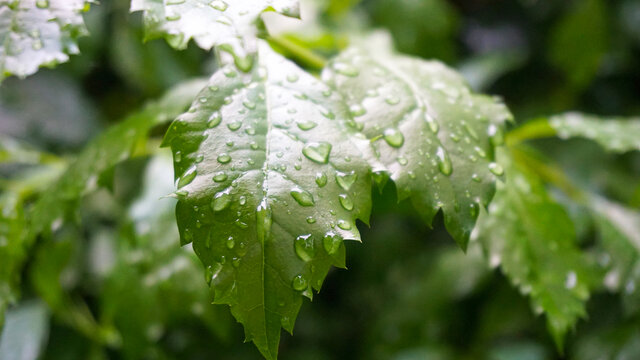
<point x="231" y="243"/>
<point x="187" y="177"/>
<point x="235" y="261"/>
<point x="311" y="220"/>
<point x="346" y="180"/>
<point x="357" y="110"/>
<point x="299" y="283"/>
<point x="495" y="135"/>
<point x="221" y="201"/>
<point x="292" y="78"/>
<point x="224" y="158"/>
<point x="42" y="4"/>
<point x="571" y="280"/>
<point x="317" y="152"/>
<point x="173" y="17"/>
<point x="302" y="197"/>
<point x="263" y="221"/>
<point x="345" y="69"/>
<point x="393" y="137"/>
<point x="346" y="202"/>
<point x="235" y="125"/>
<point x="219" y="5"/>
<point x="321" y="179"/>
<point x="177" y="157"/>
<point x="444" y="161"/>
<point x="392" y="100"/>
<point x="344" y="225"/>
<point x="306" y="125"/>
<point x="331" y="243"/>
<point x="304" y="247"/>
<point x="249" y="104"/>
<point x="402" y="160"/>
<point x="211" y="272"/>
<point x="496" y="169"/>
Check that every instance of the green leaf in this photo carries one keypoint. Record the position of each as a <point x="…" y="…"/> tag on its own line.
<point x="619" y="236"/>
<point x="12" y="253"/>
<point x="615" y="134"/>
<point x="271" y="180"/>
<point x="429" y="131"/>
<point x="26" y="331"/>
<point x="112" y="147"/>
<point x="532" y="239"/>
<point x="586" y="19"/>
<point x="38" y="33"/>
<point x="209" y="23"/>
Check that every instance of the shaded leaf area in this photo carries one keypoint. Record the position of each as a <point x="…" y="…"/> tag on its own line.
<point x="60" y="189"/>
<point x="15" y="151"/>
<point x="615" y="134"/>
<point x="618" y="229"/>
<point x="38" y="33"/>
<point x="430" y="133"/>
<point x="532" y="239"/>
<point x="271" y="179"/>
<point x="209" y="23"/>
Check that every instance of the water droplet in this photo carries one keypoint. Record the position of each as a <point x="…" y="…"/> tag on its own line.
<point x="402" y="160"/>
<point x="242" y="200"/>
<point x="311" y="220"/>
<point x="42" y="4"/>
<point x="304" y="247"/>
<point x="235" y="125"/>
<point x="224" y="158"/>
<point x="235" y="261"/>
<point x="249" y="104"/>
<point x="476" y="178"/>
<point x="188" y="177"/>
<point x="344" y="225"/>
<point x="220" y="176"/>
<point x="263" y="221"/>
<point x="177" y="157"/>
<point x="219" y="5"/>
<point x="317" y="152"/>
<point x="346" y="180"/>
<point x="496" y="169"/>
<point x="36" y="44"/>
<point x="302" y="197"/>
<point x="321" y="179"/>
<point x="480" y="152"/>
<point x="431" y="122"/>
<point x="173" y="17"/>
<point x="292" y="78"/>
<point x="331" y="243"/>
<point x="357" y="110"/>
<point x="393" y="137"/>
<point x="231" y="243"/>
<point x="345" y="69"/>
<point x="346" y="202"/>
<point x="444" y="162"/>
<point x="392" y="100"/>
<point x="211" y="272"/>
<point x="299" y="283"/>
<point x="495" y="135"/>
<point x="221" y="201"/>
<point x="571" y="280"/>
<point x="306" y="125"/>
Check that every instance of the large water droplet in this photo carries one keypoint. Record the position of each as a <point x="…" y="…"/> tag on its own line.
<point x="224" y="158"/>
<point x="444" y="161"/>
<point x="299" y="283"/>
<point x="346" y="202"/>
<point x="393" y="137"/>
<point x="317" y="152"/>
<point x="188" y="177"/>
<point x="346" y="180"/>
<point x="221" y="201"/>
<point x="304" y="247"/>
<point x="331" y="243"/>
<point x="302" y="197"/>
<point x="496" y="169"/>
<point x="220" y="176"/>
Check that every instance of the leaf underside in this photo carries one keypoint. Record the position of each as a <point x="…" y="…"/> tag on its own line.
<point x="38" y="33"/>
<point x="271" y="179"/>
<point x="209" y="23"/>
<point x="430" y="133"/>
<point x="532" y="239"/>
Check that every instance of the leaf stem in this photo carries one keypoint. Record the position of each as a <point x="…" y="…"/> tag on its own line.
<point x="302" y="54"/>
<point x="535" y="129"/>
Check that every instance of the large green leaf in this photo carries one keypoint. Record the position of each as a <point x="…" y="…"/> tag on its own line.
<point x="271" y="179"/>
<point x="533" y="241"/>
<point x="38" y="33"/>
<point x="209" y="23"/>
<point x="430" y="132"/>
<point x="614" y="134"/>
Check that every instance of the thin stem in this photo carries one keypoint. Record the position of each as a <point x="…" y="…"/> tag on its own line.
<point x="535" y="129"/>
<point x="299" y="52"/>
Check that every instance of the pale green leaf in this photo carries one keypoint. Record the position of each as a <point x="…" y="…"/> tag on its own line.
<point x="532" y="239"/>
<point x="38" y="33"/>
<point x="271" y="179"/>
<point x="615" y="134"/>
<point x="209" y="22"/>
<point x="429" y="131"/>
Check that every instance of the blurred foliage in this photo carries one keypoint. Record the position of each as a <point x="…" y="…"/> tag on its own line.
<point x="112" y="281"/>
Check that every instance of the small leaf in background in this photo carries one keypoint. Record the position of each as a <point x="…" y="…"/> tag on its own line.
<point x="615" y="134"/>
<point x="209" y="23"/>
<point x="38" y="33"/>
<point x="430" y="132"/>
<point x="25" y="332"/>
<point x="532" y="239"/>
<point x="271" y="180"/>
